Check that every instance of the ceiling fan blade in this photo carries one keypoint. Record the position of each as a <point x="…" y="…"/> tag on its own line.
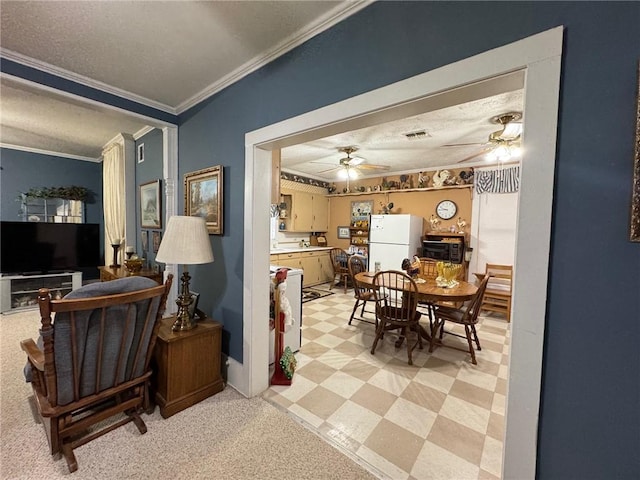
<point x="331" y="169"/>
<point x="366" y="166"/>
<point x="462" y="144"/>
<point x="471" y="157"/>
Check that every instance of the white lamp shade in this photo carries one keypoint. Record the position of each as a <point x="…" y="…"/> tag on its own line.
<point x="186" y="241"/>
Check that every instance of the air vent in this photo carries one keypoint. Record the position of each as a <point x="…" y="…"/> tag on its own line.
<point x="417" y="135"/>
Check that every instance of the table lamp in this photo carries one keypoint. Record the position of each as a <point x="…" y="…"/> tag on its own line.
<point x="186" y="242"/>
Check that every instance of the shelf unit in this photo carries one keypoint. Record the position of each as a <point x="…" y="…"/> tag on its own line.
<point x="404" y="190"/>
<point x="55" y="210"/>
<point x="359" y="227"/>
<point x="20" y="292"/>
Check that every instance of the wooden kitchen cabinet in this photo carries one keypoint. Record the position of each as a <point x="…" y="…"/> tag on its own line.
<point x="326" y="268"/>
<point x="291" y="260"/>
<point x="320" y="210"/>
<point x="309" y="212"/>
<point x="315" y="264"/>
<point x="186" y="365"/>
<point x="311" y="265"/>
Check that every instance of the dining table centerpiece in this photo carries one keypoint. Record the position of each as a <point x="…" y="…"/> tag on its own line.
<point x="447" y="274"/>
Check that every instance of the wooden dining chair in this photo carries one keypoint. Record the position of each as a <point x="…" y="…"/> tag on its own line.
<point x="396" y="297"/>
<point x="340" y="264"/>
<point x="467" y="316"/>
<point x="428" y="267"/>
<point x="362" y="294"/>
<point x="497" y="298"/>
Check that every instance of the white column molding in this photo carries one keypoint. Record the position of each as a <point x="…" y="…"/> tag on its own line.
<point x="170" y="175"/>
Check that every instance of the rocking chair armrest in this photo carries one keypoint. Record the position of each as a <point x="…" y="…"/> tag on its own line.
<point x="36" y="356"/>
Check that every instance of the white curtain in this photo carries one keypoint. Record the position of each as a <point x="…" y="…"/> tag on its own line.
<point x="114" y="207"/>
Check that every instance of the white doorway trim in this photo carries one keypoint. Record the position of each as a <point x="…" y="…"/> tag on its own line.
<point x="539" y="56"/>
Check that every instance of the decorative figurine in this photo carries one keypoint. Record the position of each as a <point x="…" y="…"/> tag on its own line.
<point x="461" y="224"/>
<point x="422" y="180"/>
<point x="441" y="177"/>
<point x="434" y="221"/>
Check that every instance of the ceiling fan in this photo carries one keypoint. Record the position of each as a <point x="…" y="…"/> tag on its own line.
<point x="349" y="166"/>
<point x="502" y="144"/>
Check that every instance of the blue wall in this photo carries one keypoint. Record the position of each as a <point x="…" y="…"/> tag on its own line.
<point x="21" y="171"/>
<point x="590" y="420"/>
<point x="148" y="171"/>
<point x="590" y="415"/>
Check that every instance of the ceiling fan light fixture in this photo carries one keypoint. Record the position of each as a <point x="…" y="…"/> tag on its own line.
<point x="501" y="153"/>
<point x="511" y="131"/>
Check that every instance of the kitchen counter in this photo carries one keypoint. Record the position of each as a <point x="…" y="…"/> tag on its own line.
<point x="275" y="251"/>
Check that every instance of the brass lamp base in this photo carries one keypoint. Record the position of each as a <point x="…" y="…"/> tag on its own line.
<point x="184" y="321"/>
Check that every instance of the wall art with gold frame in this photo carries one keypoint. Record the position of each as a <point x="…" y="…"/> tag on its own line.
<point x="203" y="196"/>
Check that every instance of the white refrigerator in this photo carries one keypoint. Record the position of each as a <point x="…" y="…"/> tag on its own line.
<point x="392" y="238"/>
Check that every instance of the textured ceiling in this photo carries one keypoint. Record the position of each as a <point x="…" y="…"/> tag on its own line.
<point x="171" y="55"/>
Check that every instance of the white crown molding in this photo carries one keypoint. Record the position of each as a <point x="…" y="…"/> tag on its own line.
<point x="331" y="18"/>
<point x="154" y="121"/>
<point x="51" y="153"/>
<point x="142" y="132"/>
<point x="81" y="79"/>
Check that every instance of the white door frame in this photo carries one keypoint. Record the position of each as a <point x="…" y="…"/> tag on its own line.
<point x="539" y="56"/>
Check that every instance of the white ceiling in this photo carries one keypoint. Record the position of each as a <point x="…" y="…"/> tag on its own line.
<point x="171" y="55"/>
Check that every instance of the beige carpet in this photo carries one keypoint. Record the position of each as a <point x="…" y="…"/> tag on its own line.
<point x="224" y="437"/>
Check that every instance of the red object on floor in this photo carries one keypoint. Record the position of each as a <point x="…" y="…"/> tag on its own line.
<point x="279" y="377"/>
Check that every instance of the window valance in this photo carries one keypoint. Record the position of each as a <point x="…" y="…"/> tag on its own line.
<point x="499" y="180"/>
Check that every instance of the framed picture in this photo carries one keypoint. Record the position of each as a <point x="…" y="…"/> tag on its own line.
<point x="156" y="237"/>
<point x="634" y="235"/>
<point x="343" y="232"/>
<point x="144" y="239"/>
<point x="141" y="153"/>
<point x="150" y="205"/>
<point x="203" y="197"/>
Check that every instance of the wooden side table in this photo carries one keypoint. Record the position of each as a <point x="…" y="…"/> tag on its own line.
<point x="186" y="365"/>
<point x="109" y="273"/>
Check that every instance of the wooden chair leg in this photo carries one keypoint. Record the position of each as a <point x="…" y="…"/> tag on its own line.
<point x="475" y="336"/>
<point x="467" y="330"/>
<point x="72" y="463"/>
<point x="345" y="279"/>
<point x="362" y="311"/>
<point x="353" y="312"/>
<point x="379" y="332"/>
<point x="437" y="325"/>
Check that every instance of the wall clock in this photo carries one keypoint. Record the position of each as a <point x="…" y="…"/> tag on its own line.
<point x="446" y="209"/>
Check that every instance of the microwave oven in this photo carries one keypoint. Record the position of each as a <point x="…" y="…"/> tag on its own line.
<point x="443" y="251"/>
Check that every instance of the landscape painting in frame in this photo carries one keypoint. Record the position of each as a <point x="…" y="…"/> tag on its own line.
<point x="150" y="205"/>
<point x="203" y="197"/>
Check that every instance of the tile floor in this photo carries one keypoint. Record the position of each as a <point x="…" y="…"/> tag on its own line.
<point x="440" y="418"/>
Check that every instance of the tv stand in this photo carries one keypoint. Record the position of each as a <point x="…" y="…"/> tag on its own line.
<point x="20" y="292"/>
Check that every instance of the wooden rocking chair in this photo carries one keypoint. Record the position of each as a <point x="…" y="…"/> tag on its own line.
<point x="91" y="362"/>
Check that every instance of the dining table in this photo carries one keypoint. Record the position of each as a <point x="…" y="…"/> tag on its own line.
<point x="429" y="292"/>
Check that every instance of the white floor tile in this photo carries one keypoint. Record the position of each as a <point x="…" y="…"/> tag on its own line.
<point x="465" y="413"/>
<point x="343" y="418"/>
<point x="411" y="416"/>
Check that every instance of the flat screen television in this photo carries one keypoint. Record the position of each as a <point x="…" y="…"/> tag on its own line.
<point x="42" y="248"/>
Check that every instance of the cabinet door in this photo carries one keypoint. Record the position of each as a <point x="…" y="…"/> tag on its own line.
<point x="320" y="213"/>
<point x="302" y="212"/>
<point x="311" y="267"/>
<point x="326" y="269"/>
